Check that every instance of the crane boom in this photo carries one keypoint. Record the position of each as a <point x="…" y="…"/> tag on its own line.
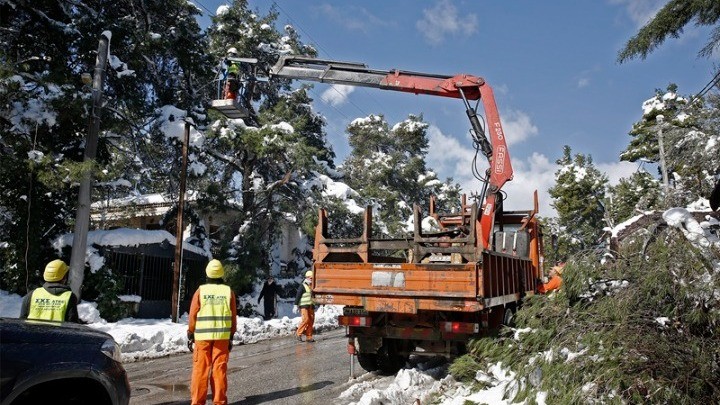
<point x="463" y="86"/>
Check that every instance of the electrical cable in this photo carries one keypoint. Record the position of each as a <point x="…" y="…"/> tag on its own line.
<point x="712" y="83"/>
<point x="206" y="9"/>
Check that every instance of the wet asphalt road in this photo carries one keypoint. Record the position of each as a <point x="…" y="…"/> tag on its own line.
<point x="277" y="371"/>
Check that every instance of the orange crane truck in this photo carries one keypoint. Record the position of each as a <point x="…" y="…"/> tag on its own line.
<point x="431" y="292"/>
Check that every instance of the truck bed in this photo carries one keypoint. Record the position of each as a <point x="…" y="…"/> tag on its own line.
<point x="410" y="287"/>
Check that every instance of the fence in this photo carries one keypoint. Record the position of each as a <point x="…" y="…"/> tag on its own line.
<point x="147" y="271"/>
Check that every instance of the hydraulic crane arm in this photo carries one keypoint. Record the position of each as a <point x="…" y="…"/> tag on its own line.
<point x="465" y="87"/>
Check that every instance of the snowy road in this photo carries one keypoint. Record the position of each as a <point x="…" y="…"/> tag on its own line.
<point x="277" y="371"/>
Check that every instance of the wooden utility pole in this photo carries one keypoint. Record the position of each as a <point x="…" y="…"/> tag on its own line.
<point x="82" y="216"/>
<point x="179" y="232"/>
<point x="663" y="168"/>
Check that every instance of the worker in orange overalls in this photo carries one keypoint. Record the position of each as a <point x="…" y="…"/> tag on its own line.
<point x="304" y="301"/>
<point x="555" y="280"/>
<point x="54" y="302"/>
<point x="212" y="324"/>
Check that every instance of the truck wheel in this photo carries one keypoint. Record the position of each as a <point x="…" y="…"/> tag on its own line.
<point x="388" y="361"/>
<point x="368" y="361"/>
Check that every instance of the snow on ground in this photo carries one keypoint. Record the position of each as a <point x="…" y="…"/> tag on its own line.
<point x="150" y="338"/>
<point x="424" y="381"/>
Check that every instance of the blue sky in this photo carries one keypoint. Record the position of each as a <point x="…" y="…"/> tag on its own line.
<point x="552" y="65"/>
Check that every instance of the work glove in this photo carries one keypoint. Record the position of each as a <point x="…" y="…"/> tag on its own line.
<point x="191" y="340"/>
<point x="295" y="309"/>
<point x="230" y="345"/>
<point x="544" y="280"/>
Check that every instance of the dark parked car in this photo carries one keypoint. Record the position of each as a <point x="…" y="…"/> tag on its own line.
<point x="59" y="364"/>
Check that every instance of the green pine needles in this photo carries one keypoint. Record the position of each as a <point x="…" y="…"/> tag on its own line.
<point x="644" y="329"/>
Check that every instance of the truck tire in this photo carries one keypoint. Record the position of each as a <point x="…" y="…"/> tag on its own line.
<point x="368" y="361"/>
<point x="388" y="360"/>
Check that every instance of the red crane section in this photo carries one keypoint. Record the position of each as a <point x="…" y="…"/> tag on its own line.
<point x="491" y="138"/>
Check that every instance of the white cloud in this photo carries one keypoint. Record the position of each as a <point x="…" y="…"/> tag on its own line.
<point x="353" y="18"/>
<point x="449" y="157"/>
<point x="454" y="159"/>
<point x="640" y="11"/>
<point x="443" y="19"/>
<point x="583" y="82"/>
<point x="536" y="172"/>
<point x="617" y="170"/>
<point x="517" y="126"/>
<point x="337" y="94"/>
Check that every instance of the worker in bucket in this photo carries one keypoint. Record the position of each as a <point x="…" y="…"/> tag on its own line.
<point x="304" y="302"/>
<point x="211" y="326"/>
<point x="54" y="302"/>
<point x="555" y="279"/>
<point x="232" y="76"/>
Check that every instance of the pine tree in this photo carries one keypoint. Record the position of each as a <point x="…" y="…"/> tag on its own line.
<point x="670" y="22"/>
<point x="578" y="197"/>
<point x="155" y="57"/>
<point x="265" y="162"/>
<point x="387" y="166"/>
<point x="640" y="192"/>
<point x="688" y="132"/>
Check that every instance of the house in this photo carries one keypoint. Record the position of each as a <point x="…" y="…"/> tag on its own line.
<point x="147" y="267"/>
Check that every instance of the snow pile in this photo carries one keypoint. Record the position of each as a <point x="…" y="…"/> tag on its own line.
<point x="429" y="382"/>
<point x="151" y="338"/>
<point x="120" y="237"/>
<point x="700" y="235"/>
<point x="406" y="387"/>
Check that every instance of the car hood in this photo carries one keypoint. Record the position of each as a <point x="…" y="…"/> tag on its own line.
<point x="24" y="331"/>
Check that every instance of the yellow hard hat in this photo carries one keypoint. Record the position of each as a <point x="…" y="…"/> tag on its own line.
<point x="214" y="269"/>
<point x="55" y="270"/>
<point x="309" y="273"/>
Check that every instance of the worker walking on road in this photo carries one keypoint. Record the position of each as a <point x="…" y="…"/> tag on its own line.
<point x="555" y="281"/>
<point x="304" y="301"/>
<point x="54" y="302"/>
<point x="212" y="324"/>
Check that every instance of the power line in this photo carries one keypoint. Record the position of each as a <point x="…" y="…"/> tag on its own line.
<point x="206" y="9"/>
<point x="714" y="81"/>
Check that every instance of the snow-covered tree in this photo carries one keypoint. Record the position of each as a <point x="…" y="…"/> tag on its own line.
<point x="639" y="192"/>
<point x="387" y="167"/>
<point x="578" y="197"/>
<point x="689" y="133"/>
<point x="262" y="165"/>
<point x="154" y="58"/>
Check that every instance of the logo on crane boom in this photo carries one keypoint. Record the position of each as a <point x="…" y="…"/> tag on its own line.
<point x="500" y="159"/>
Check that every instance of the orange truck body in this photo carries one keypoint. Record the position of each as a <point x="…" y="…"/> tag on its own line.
<point x="441" y="290"/>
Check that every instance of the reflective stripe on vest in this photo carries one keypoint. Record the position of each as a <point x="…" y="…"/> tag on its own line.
<point x="48" y="307"/>
<point x="306" y="299"/>
<point x="214" y="319"/>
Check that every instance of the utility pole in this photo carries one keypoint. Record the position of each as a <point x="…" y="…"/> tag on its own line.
<point x="179" y="232"/>
<point x="82" y="216"/>
<point x="663" y="169"/>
